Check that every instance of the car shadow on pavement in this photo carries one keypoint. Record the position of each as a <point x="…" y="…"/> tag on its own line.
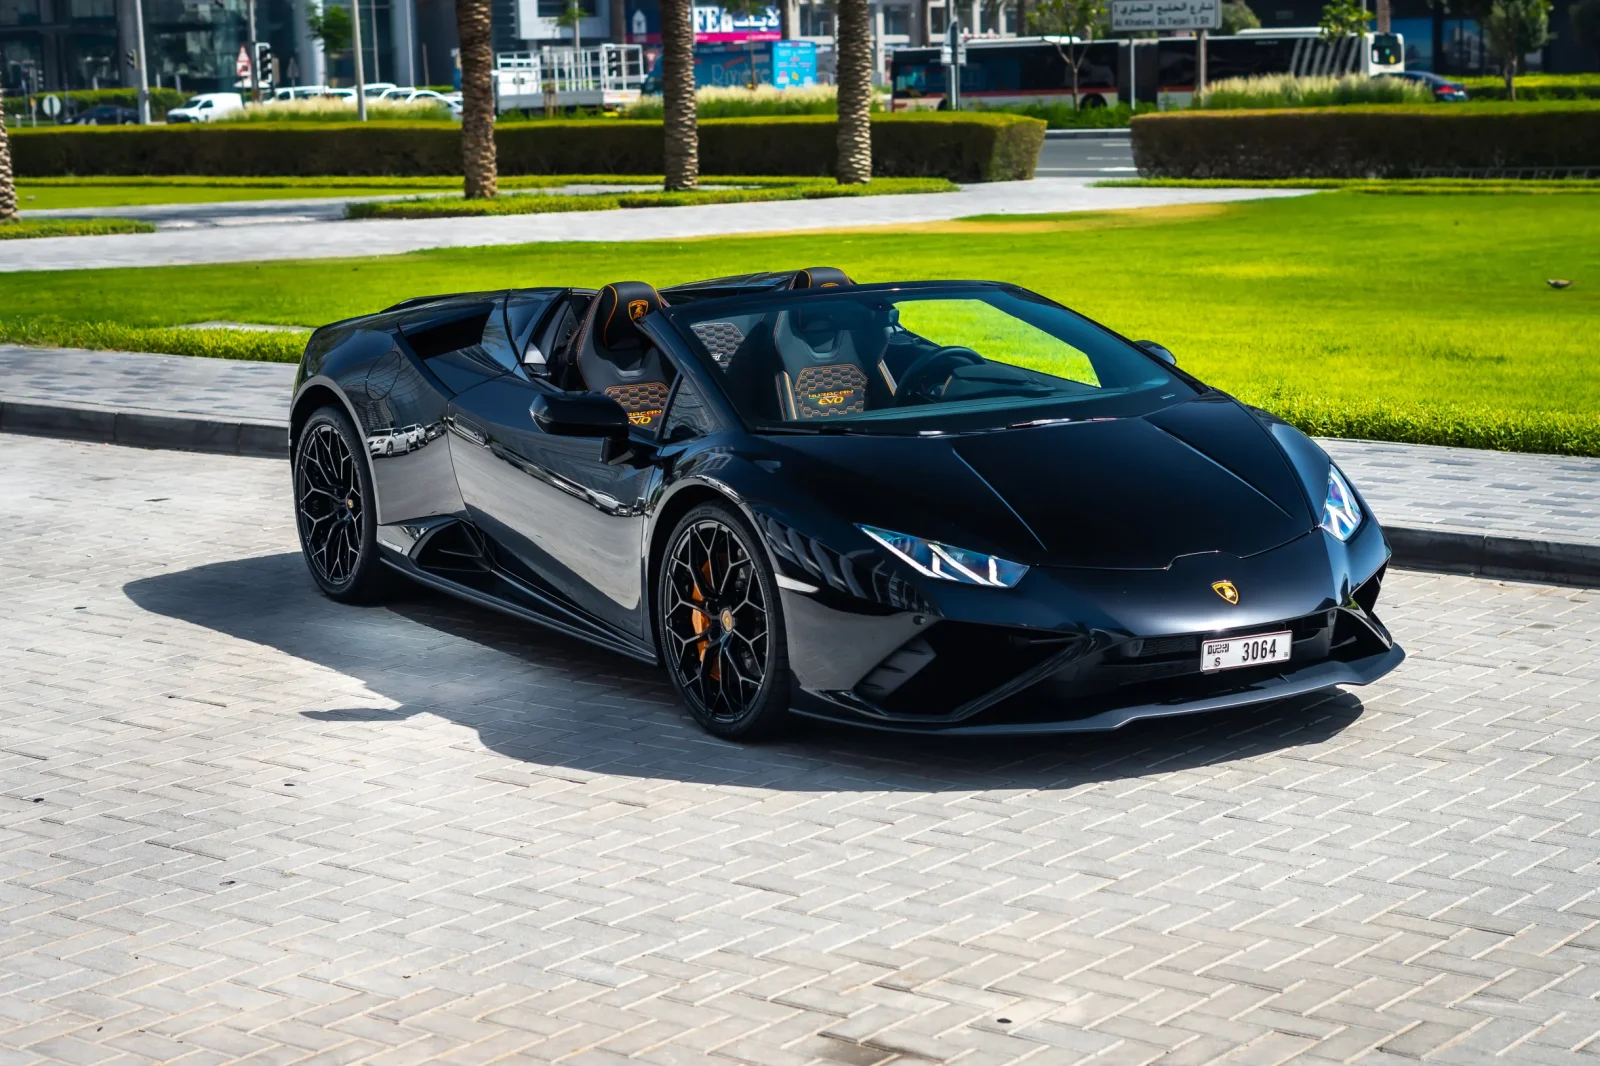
<point x="546" y="699"/>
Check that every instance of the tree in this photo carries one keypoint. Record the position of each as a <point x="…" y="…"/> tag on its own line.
<point x="331" y="26"/>
<point x="1236" y="16"/>
<point x="853" y="45"/>
<point x="478" y="165"/>
<point x="1513" y="29"/>
<point x="1343" y="18"/>
<point x="1585" y="17"/>
<point x="681" y="157"/>
<point x="571" y="18"/>
<point x="8" y="188"/>
<point x="1072" y="26"/>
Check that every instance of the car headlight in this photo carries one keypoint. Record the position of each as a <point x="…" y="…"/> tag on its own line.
<point x="1341" y="514"/>
<point x="933" y="559"/>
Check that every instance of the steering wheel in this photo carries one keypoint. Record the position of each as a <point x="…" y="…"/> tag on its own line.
<point x="925" y="379"/>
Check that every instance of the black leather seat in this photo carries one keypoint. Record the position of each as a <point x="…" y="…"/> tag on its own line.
<point x="826" y="357"/>
<point x="615" y="358"/>
<point x="819" y="278"/>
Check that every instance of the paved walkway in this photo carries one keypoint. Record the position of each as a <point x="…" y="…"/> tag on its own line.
<point x="1440" y="505"/>
<point x="246" y="824"/>
<point x="325" y="239"/>
<point x="287" y="210"/>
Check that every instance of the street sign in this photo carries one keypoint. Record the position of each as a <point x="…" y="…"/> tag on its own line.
<point x="241" y="65"/>
<point x="1165" y="15"/>
<point x="52" y="105"/>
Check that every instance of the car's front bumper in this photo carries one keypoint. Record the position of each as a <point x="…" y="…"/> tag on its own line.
<point x="1083" y="650"/>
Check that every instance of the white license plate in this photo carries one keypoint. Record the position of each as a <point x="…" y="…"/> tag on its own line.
<point x="1253" y="650"/>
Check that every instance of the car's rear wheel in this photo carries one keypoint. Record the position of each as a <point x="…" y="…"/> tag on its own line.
<point x="335" y="509"/>
<point x="719" y="626"/>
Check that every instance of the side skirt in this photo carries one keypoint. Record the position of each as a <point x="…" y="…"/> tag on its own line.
<point x="494" y="588"/>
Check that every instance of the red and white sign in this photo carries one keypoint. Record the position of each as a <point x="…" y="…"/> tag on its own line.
<point x="241" y="65"/>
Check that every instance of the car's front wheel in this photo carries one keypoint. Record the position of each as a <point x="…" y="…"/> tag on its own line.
<point x="335" y="509"/>
<point x="719" y="626"/>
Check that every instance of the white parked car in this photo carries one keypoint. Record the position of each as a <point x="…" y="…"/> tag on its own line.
<point x="207" y="107"/>
<point x="425" y="96"/>
<point x="297" y="92"/>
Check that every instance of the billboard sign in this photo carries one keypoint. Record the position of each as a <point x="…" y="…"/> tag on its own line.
<point x="714" y="25"/>
<point x="1129" y="15"/>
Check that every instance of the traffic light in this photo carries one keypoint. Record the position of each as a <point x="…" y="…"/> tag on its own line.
<point x="264" y="62"/>
<point x="613" y="61"/>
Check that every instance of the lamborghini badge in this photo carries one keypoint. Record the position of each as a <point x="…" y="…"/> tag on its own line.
<point x="1227" y="590"/>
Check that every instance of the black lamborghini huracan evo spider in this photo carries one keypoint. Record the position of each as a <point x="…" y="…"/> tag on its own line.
<point x="950" y="506"/>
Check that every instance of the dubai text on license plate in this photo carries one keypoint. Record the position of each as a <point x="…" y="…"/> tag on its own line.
<point x="1253" y="650"/>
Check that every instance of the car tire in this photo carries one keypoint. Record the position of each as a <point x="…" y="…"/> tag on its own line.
<point x="336" y="510"/>
<point x="719" y="626"/>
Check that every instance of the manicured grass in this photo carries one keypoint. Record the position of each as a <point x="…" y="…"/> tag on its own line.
<point x="808" y="189"/>
<point x="70" y="227"/>
<point x="102" y="191"/>
<point x="1404" y="318"/>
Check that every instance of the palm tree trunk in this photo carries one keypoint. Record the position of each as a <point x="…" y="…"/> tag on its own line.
<point x="681" y="153"/>
<point x="8" y="189"/>
<point x="477" y="99"/>
<point x="853" y="45"/>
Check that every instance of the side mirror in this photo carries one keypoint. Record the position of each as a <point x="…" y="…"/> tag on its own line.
<point x="583" y="414"/>
<point x="1159" y="351"/>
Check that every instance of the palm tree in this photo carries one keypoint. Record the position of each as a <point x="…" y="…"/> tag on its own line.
<point x="477" y="99"/>
<point x="853" y="45"/>
<point x="681" y="155"/>
<point x="8" y="190"/>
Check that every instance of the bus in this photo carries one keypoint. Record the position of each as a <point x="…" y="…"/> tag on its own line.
<point x="1033" y="70"/>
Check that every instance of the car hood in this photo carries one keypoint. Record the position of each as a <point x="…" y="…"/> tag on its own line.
<point x="1126" y="493"/>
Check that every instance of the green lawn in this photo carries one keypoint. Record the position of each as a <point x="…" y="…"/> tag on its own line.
<point x="54" y="193"/>
<point x="70" y="227"/>
<point x="1410" y="318"/>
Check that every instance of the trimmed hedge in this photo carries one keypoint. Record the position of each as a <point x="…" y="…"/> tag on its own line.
<point x="1537" y="87"/>
<point x="161" y="100"/>
<point x="962" y="147"/>
<point x="1366" y="142"/>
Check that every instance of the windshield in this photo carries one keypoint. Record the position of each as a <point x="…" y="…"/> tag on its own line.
<point x="898" y="361"/>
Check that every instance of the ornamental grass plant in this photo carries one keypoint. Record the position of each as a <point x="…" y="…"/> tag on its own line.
<point x="1287" y="90"/>
<point x="734" y="101"/>
<point x="335" y="109"/>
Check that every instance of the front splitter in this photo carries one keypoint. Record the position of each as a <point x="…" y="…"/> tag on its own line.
<point x="1313" y="678"/>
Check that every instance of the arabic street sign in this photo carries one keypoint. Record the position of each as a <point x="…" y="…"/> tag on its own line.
<point x="1165" y="15"/>
<point x="52" y="105"/>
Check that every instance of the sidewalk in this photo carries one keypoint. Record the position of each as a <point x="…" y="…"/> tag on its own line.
<point x="316" y="239"/>
<point x="1456" y="509"/>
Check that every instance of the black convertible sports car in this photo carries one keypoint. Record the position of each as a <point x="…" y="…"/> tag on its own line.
<point x="948" y="507"/>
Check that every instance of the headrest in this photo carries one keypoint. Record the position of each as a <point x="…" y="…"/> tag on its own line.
<point x="819" y="278"/>
<point x="618" y="307"/>
<point x="833" y="316"/>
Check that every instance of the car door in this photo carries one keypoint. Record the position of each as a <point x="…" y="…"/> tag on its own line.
<point x="572" y="519"/>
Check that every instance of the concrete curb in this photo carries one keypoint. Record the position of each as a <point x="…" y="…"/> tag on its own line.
<point x="145" y="429"/>
<point x="1442" y="550"/>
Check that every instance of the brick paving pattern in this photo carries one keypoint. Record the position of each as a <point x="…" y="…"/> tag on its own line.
<point x="241" y="823"/>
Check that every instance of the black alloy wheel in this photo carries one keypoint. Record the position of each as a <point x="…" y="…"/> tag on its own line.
<point x="720" y="626"/>
<point x="334" y="509"/>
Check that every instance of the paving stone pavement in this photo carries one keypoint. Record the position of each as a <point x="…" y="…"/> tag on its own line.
<point x="1541" y="496"/>
<point x="321" y="239"/>
<point x="241" y="823"/>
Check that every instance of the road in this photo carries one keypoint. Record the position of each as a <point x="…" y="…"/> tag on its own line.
<point x="243" y="822"/>
<point x="1101" y="157"/>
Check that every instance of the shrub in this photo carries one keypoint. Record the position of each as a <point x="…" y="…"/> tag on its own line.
<point x="334" y="109"/>
<point x="961" y="147"/>
<point x="1287" y="90"/>
<point x="1537" y="87"/>
<point x="732" y="102"/>
<point x="70" y="227"/>
<point x="1362" y="142"/>
<point x="75" y="100"/>
<point x="273" y="347"/>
